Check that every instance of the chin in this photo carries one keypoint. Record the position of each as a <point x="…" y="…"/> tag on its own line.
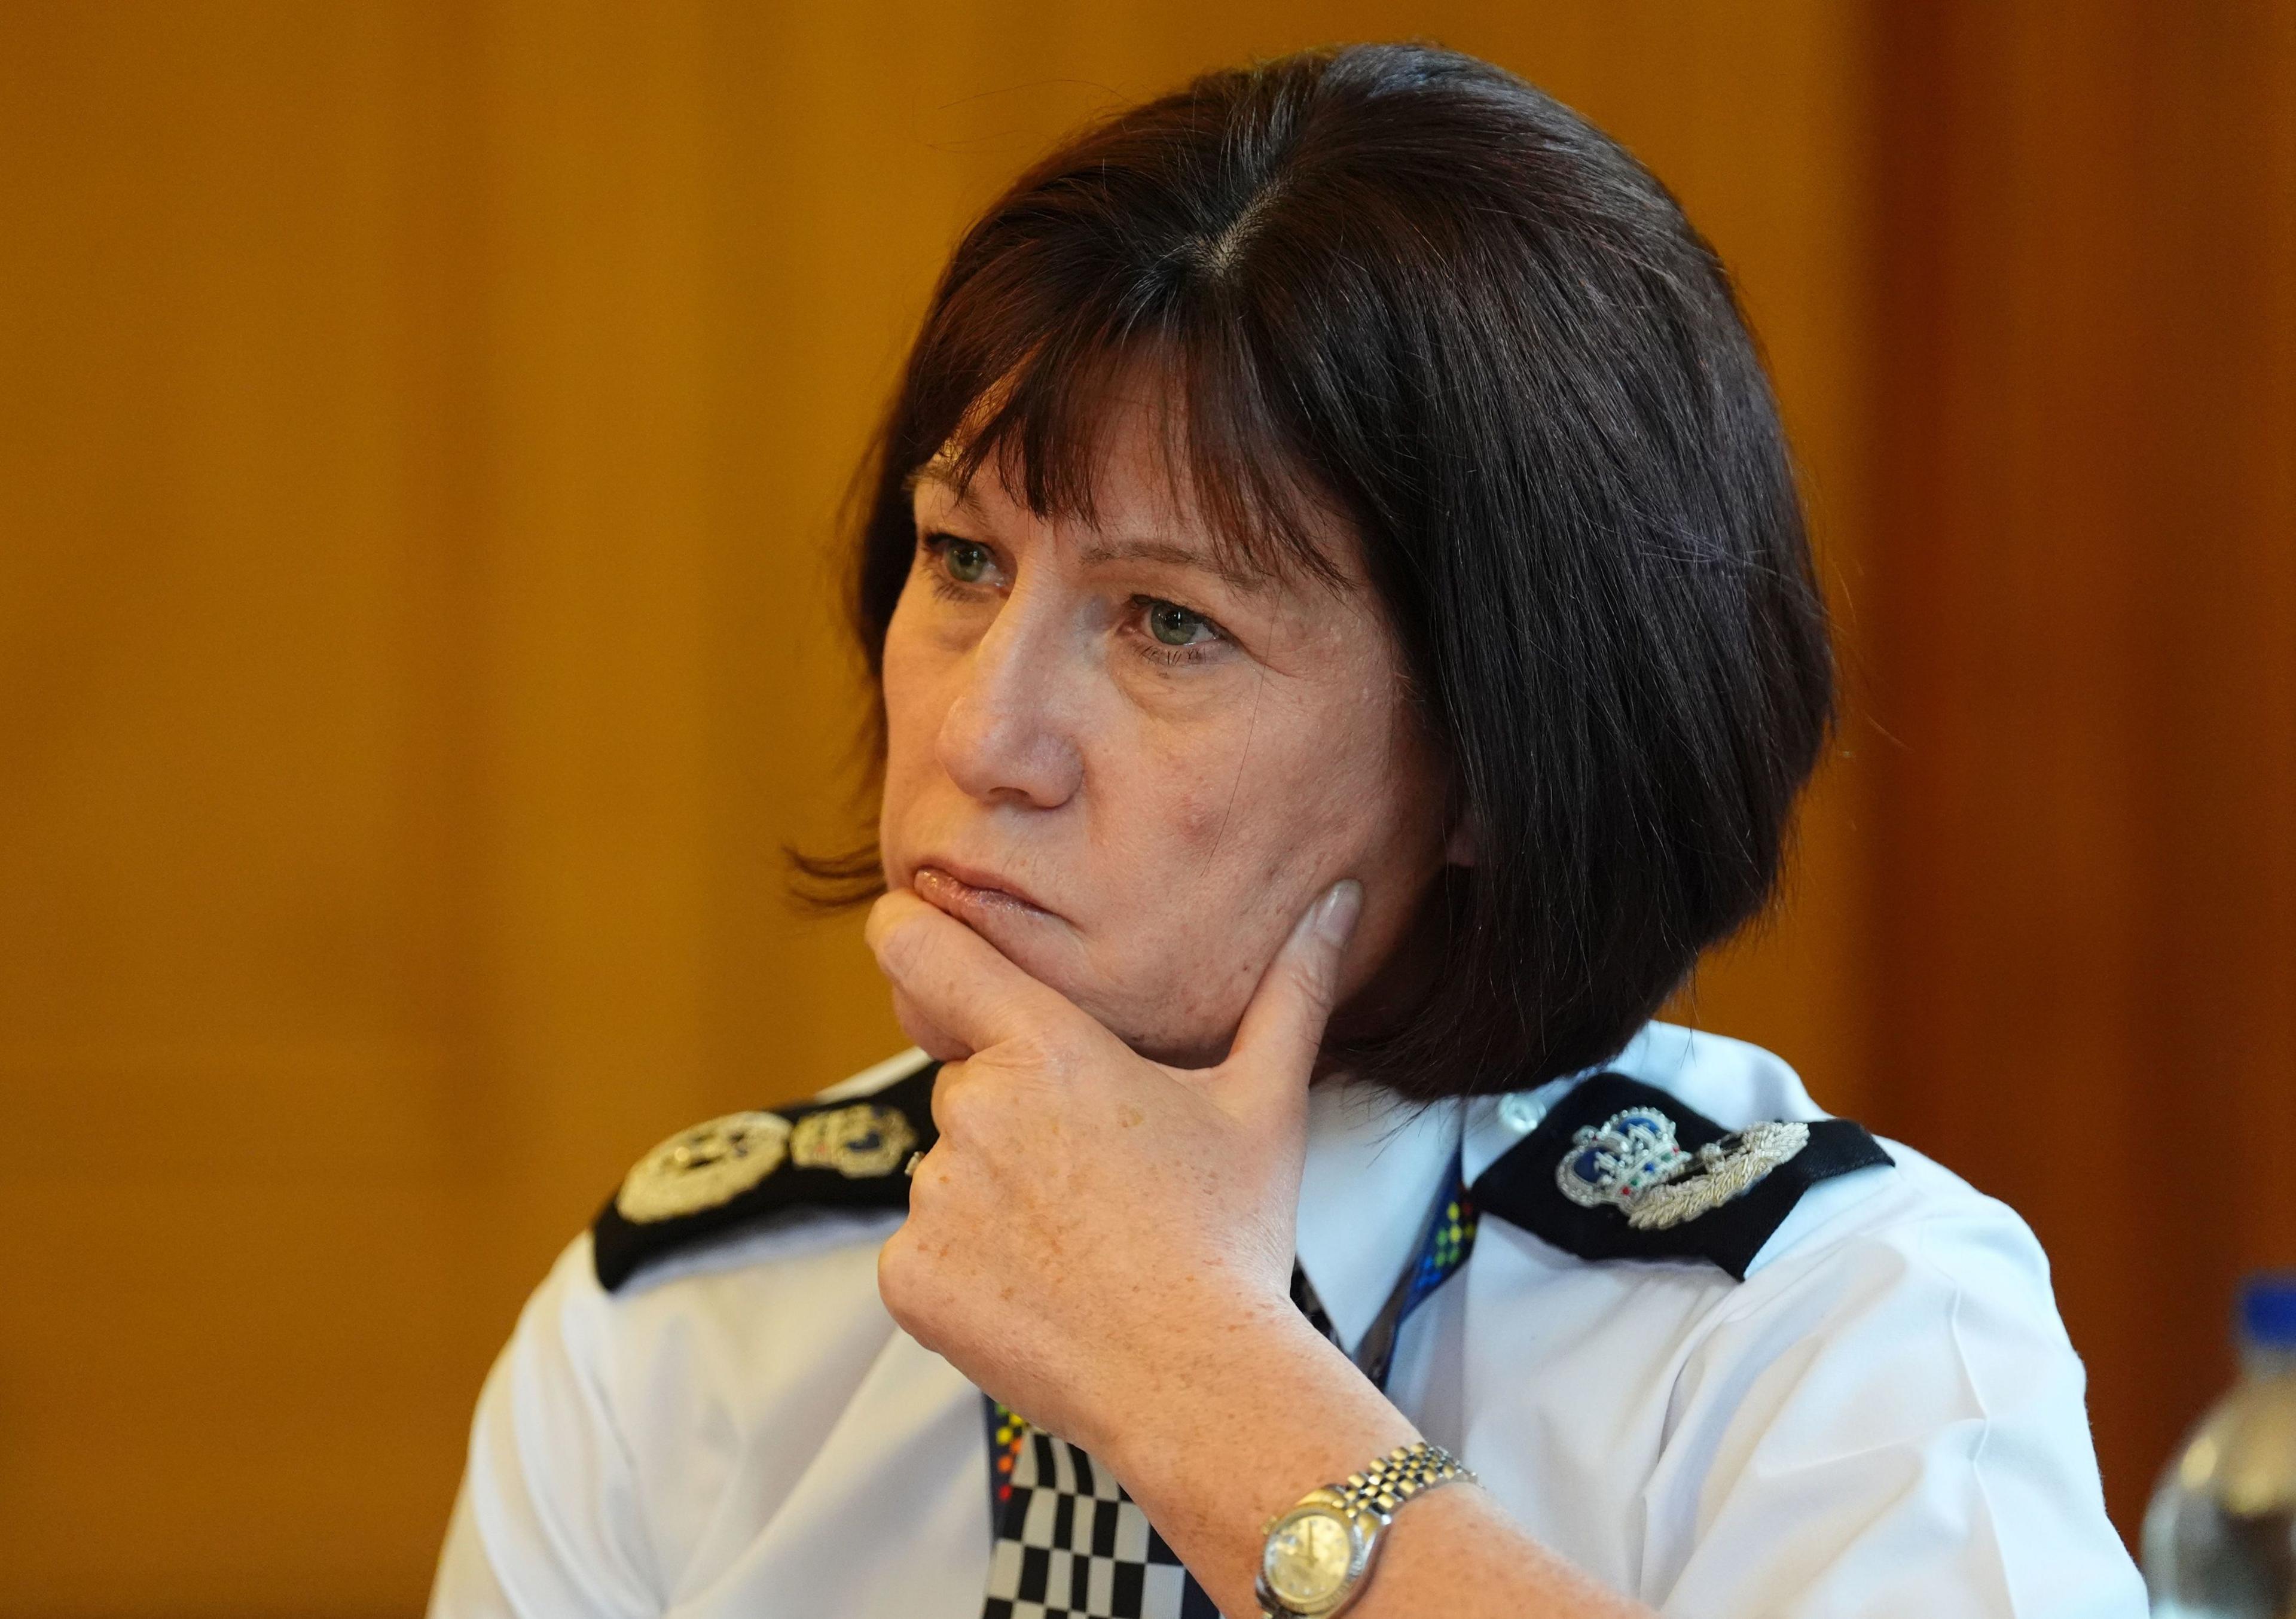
<point x="1146" y="1029"/>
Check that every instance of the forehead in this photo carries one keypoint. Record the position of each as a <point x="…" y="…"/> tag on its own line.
<point x="1125" y="463"/>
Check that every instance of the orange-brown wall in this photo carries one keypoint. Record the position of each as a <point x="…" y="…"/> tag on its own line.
<point x="420" y="431"/>
<point x="2082" y="638"/>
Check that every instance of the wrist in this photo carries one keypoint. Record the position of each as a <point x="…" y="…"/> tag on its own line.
<point x="1146" y="1390"/>
<point x="1221" y="1372"/>
<point x="1268" y="1410"/>
<point x="1318" y="1554"/>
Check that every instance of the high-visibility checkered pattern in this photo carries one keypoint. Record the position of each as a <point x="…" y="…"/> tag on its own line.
<point x="1071" y="1545"/>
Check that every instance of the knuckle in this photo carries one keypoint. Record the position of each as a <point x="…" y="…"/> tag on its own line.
<point x="962" y="1101"/>
<point x="898" y="942"/>
<point x="897" y="1276"/>
<point x="881" y="916"/>
<point x="899" y="933"/>
<point x="1048" y="1053"/>
<point x="907" y="1286"/>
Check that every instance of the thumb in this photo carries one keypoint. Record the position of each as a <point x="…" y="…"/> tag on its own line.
<point x="1282" y="1027"/>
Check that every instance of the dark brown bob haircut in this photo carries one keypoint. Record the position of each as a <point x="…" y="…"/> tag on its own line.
<point x="1398" y="283"/>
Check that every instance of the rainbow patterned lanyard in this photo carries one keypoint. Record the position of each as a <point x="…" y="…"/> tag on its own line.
<point x="1448" y="1240"/>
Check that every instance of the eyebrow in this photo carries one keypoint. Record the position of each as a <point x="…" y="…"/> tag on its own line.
<point x="1170" y="553"/>
<point x="1099" y="553"/>
<point x="933" y="472"/>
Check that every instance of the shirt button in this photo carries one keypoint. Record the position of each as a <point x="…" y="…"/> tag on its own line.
<point x="1520" y="1114"/>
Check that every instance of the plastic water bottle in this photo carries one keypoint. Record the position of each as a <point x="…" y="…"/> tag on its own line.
<point x="2220" y="1534"/>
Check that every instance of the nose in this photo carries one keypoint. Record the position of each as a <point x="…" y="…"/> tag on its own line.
<point x="1006" y="737"/>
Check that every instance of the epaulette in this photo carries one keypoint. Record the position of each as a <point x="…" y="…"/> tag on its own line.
<point x="834" y="1152"/>
<point x="1620" y="1170"/>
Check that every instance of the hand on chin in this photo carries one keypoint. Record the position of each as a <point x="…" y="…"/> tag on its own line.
<point x="937" y="1043"/>
<point x="1171" y="1191"/>
<point x="936" y="1040"/>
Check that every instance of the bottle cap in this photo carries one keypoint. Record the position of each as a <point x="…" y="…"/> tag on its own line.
<point x="2267" y="1310"/>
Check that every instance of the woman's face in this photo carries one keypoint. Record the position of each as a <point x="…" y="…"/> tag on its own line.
<point x="1130" y="771"/>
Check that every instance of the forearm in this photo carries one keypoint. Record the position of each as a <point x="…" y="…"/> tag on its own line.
<point x="1270" y="1410"/>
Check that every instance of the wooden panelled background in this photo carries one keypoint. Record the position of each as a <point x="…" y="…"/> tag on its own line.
<point x="2080" y="622"/>
<point x="420" y="431"/>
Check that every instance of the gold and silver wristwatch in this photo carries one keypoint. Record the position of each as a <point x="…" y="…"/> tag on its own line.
<point x="1318" y="1554"/>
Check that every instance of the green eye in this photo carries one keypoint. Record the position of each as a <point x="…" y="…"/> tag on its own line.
<point x="1175" y="626"/>
<point x="967" y="562"/>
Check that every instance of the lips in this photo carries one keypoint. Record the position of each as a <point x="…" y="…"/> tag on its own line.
<point x="972" y="894"/>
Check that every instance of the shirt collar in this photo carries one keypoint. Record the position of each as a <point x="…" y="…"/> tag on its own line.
<point x="1723" y="1078"/>
<point x="1375" y="1166"/>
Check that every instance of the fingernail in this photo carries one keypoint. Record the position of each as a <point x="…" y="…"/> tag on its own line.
<point x="1336" y="912"/>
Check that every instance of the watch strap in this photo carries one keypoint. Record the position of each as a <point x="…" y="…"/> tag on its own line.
<point x="1365" y="1502"/>
<point x="1404" y="1472"/>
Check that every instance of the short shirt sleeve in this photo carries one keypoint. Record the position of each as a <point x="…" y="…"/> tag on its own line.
<point x="1894" y="1427"/>
<point x="548" y="1523"/>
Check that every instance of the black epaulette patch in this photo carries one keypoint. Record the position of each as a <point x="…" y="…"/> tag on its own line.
<point x="836" y="1154"/>
<point x="1620" y="1169"/>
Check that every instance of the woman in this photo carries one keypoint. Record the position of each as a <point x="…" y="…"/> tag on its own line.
<point x="1347" y="644"/>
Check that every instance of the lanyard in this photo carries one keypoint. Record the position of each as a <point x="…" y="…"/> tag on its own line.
<point x="1444" y="1246"/>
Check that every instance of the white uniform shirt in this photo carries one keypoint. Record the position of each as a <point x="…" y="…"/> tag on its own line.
<point x="1883" y="1418"/>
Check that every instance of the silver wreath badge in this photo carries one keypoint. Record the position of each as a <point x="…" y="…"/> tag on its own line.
<point x="1633" y="1162"/>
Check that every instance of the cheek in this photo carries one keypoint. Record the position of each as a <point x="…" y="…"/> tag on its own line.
<point x="1334" y="790"/>
<point x="1201" y="811"/>
<point x="1221" y="872"/>
<point x="1242" y="830"/>
<point x="916" y="700"/>
<point x="1312" y="789"/>
<point x="906" y="662"/>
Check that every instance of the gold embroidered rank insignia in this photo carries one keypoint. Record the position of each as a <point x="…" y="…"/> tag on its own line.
<point x="704" y="1166"/>
<point x="746" y="1171"/>
<point x="858" y="1142"/>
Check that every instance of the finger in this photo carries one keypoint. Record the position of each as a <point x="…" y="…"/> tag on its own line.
<point x="955" y="982"/>
<point x="937" y="1043"/>
<point x="1282" y="1027"/>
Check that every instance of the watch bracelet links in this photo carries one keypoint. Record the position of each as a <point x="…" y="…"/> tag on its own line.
<point x="1396" y="1476"/>
<point x="1377" y="1493"/>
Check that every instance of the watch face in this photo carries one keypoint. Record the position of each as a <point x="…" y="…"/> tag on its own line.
<point x="1310" y="1557"/>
